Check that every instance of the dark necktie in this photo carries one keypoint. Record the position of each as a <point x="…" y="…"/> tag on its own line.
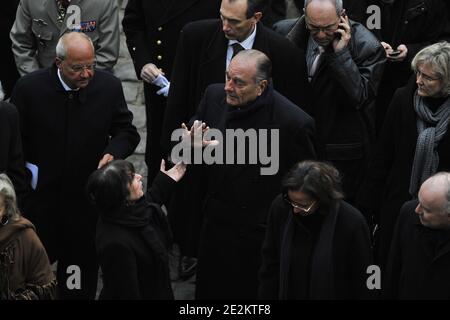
<point x="236" y="49"/>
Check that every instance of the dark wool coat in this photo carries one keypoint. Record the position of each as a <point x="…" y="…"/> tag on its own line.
<point x="201" y="61"/>
<point x="152" y="29"/>
<point x="236" y="198"/>
<point x="338" y="261"/>
<point x="66" y="134"/>
<point x="419" y="260"/>
<point x="343" y="92"/>
<point x="386" y="186"/>
<point x="134" y="257"/>
<point x="416" y="24"/>
<point x="11" y="154"/>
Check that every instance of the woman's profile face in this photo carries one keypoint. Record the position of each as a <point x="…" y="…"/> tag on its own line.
<point x="135" y="188"/>
<point x="429" y="84"/>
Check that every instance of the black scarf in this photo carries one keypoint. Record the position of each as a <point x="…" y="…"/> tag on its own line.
<point x="322" y="266"/>
<point x="149" y="220"/>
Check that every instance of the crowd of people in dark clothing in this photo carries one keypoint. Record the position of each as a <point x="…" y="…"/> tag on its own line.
<point x="330" y="140"/>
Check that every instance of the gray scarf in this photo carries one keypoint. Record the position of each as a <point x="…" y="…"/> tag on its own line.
<point x="431" y="128"/>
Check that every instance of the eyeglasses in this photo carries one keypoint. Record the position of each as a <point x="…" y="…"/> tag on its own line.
<point x="306" y="210"/>
<point x="328" y="29"/>
<point x="425" y="76"/>
<point x="80" y="68"/>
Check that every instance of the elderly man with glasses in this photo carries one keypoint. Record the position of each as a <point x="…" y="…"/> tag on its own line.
<point x="317" y="246"/>
<point x="345" y="62"/>
<point x="73" y="119"/>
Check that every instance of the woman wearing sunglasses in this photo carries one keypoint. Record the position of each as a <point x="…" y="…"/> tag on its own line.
<point x="317" y="246"/>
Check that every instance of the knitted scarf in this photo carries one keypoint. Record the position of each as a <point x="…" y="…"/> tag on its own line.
<point x="431" y="127"/>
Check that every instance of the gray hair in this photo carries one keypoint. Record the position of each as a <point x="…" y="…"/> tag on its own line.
<point x="438" y="57"/>
<point x="9" y="197"/>
<point x="337" y="3"/>
<point x="262" y="61"/>
<point x="61" y="50"/>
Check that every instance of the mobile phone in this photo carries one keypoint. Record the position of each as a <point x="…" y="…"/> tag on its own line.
<point x="395" y="53"/>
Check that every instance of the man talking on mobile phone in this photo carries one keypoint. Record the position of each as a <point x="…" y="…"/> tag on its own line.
<point x="345" y="62"/>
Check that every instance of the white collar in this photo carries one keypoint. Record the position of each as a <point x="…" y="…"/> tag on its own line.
<point x="247" y="43"/>
<point x="66" y="87"/>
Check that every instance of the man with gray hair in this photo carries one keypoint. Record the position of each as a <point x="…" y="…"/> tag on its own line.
<point x="419" y="261"/>
<point x="40" y="23"/>
<point x="344" y="62"/>
<point x="73" y="120"/>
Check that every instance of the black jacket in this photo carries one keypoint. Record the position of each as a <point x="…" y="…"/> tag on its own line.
<point x="66" y="134"/>
<point x="132" y="246"/>
<point x="343" y="92"/>
<point x="419" y="260"/>
<point x="338" y="261"/>
<point x="201" y="60"/>
<point x="236" y="198"/>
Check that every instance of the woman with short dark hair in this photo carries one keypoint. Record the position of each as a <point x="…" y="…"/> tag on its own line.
<point x="317" y="246"/>
<point x="133" y="236"/>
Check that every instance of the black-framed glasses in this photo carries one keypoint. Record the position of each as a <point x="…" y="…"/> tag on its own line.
<point x="305" y="210"/>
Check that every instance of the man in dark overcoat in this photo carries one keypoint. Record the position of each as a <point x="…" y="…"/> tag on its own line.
<point x="235" y="198"/>
<point x="345" y="62"/>
<point x="420" y="253"/>
<point x="74" y="119"/>
<point x="152" y="29"/>
<point x="204" y="51"/>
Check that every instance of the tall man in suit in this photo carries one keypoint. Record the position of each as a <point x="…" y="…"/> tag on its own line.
<point x="73" y="119"/>
<point x="204" y="51"/>
<point x="152" y="29"/>
<point x="234" y="197"/>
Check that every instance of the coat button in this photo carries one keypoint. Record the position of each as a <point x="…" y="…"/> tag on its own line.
<point x="406" y="22"/>
<point x="158" y="42"/>
<point x="160" y="29"/>
<point x="159" y="58"/>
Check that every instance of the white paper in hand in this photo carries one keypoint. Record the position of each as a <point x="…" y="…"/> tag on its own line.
<point x="34" y="174"/>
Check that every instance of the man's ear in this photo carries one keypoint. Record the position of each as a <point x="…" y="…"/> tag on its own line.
<point x="262" y="87"/>
<point x="258" y="16"/>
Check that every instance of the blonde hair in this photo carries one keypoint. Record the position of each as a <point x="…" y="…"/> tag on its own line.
<point x="438" y="57"/>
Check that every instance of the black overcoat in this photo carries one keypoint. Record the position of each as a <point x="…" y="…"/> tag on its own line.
<point x="236" y="198"/>
<point x="11" y="154"/>
<point x="417" y="268"/>
<point x="65" y="134"/>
